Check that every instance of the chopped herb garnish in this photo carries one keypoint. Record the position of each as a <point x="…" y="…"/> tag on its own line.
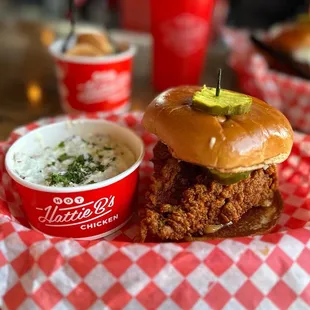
<point x="79" y="169"/>
<point x="80" y="160"/>
<point x="90" y="158"/>
<point x="63" y="157"/>
<point x="55" y="178"/>
<point x="77" y="172"/>
<point x="101" y="167"/>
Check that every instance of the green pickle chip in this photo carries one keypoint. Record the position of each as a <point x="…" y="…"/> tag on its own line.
<point x="229" y="178"/>
<point x="227" y="103"/>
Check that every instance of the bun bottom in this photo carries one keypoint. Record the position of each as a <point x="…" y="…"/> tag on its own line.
<point x="257" y="221"/>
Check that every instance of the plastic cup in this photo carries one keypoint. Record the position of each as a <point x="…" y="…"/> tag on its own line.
<point x="180" y="30"/>
<point x="94" y="84"/>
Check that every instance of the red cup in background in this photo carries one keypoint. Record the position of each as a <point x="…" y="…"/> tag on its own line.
<point x="94" y="84"/>
<point x="135" y="15"/>
<point x="86" y="211"/>
<point x="180" y="30"/>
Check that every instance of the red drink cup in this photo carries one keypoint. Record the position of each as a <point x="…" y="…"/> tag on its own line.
<point x="94" y="84"/>
<point x="180" y="30"/>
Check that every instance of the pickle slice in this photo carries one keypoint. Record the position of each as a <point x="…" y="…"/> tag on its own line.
<point x="229" y="178"/>
<point x="227" y="103"/>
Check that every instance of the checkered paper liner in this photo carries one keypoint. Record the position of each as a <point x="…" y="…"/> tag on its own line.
<point x="289" y="94"/>
<point x="263" y="272"/>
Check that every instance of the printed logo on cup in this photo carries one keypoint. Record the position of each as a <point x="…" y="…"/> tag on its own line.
<point x="185" y="27"/>
<point x="74" y="211"/>
<point x="111" y="85"/>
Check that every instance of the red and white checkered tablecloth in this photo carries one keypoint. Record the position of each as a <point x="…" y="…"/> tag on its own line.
<point x="288" y="93"/>
<point x="264" y="272"/>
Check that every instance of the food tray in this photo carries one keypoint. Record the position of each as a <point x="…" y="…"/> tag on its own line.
<point x="287" y="93"/>
<point x="264" y="272"/>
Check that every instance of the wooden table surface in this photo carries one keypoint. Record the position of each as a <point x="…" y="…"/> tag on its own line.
<point x="28" y="85"/>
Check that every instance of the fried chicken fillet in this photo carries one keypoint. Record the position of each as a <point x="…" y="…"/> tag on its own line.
<point x="184" y="201"/>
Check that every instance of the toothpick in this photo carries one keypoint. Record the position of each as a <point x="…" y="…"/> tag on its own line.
<point x="218" y="86"/>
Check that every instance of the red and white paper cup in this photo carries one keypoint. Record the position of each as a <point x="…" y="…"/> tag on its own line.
<point x="94" y="84"/>
<point x="83" y="212"/>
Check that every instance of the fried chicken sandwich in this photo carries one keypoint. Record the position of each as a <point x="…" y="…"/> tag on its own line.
<point x="215" y="172"/>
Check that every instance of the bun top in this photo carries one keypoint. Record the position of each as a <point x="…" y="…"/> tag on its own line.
<point x="292" y="38"/>
<point x="237" y="143"/>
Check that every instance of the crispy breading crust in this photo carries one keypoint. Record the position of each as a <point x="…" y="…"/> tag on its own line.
<point x="183" y="200"/>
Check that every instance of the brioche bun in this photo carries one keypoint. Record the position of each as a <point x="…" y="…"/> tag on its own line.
<point x="228" y="144"/>
<point x="291" y="38"/>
